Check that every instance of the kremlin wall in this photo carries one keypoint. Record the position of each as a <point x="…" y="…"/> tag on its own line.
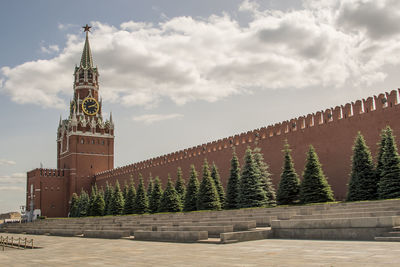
<point x="331" y="132"/>
<point x="85" y="145"/>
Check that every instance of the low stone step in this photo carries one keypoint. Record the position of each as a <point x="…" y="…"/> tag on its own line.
<point x="256" y="234"/>
<point x="363" y="222"/>
<point x="261" y="221"/>
<point x="391" y="234"/>
<point x="388" y="238"/>
<point x="109" y="234"/>
<point x="213" y="231"/>
<point x="347" y="215"/>
<point x="237" y="225"/>
<point x="34" y="231"/>
<point x="65" y="232"/>
<point x="171" y="236"/>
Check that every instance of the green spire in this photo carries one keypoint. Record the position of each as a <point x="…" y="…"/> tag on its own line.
<point x="86" y="59"/>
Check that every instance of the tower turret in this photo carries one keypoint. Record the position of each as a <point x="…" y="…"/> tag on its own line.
<point x="85" y="142"/>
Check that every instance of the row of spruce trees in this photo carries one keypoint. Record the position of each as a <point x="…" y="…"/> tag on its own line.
<point x="367" y="181"/>
<point x="370" y="182"/>
<point x="250" y="187"/>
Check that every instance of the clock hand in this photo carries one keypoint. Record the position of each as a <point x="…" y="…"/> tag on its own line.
<point x="91" y="105"/>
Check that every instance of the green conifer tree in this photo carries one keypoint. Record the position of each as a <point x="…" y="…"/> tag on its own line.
<point x="98" y="205"/>
<point x="363" y="184"/>
<point x="389" y="185"/>
<point x="265" y="177"/>
<point x="74" y="207"/>
<point x="83" y="203"/>
<point x="289" y="185"/>
<point x="129" y="207"/>
<point x="218" y="184"/>
<point x="233" y="188"/>
<point x="156" y="195"/>
<point x="107" y="199"/>
<point x="180" y="185"/>
<point x="141" y="201"/>
<point x="125" y="189"/>
<point x="314" y="187"/>
<point x="207" y="198"/>
<point x="251" y="192"/>
<point x="118" y="202"/>
<point x="150" y="186"/>
<point x="92" y="199"/>
<point x="192" y="191"/>
<point x="379" y="160"/>
<point x="170" y="201"/>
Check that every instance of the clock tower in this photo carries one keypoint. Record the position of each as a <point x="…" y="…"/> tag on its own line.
<point x="85" y="141"/>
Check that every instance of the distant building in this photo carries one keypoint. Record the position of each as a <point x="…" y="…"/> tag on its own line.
<point x="10" y="217"/>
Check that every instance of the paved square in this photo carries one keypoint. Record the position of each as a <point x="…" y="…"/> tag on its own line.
<point x="75" y="251"/>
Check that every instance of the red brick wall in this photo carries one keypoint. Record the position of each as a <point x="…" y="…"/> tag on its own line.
<point x="49" y="191"/>
<point x="331" y="132"/>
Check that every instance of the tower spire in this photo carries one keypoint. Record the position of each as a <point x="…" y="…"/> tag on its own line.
<point x="86" y="59"/>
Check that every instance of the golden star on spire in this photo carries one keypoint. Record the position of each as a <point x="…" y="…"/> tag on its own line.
<point x="86" y="28"/>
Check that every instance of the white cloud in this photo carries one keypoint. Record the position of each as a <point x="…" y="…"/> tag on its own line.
<point x="15" y="178"/>
<point x="7" y="162"/>
<point x="151" y="118"/>
<point x="325" y="44"/>
<point x="62" y="26"/>
<point x="12" y="188"/>
<point x="50" y="49"/>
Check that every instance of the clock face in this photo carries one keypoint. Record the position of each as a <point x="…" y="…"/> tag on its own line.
<point x="90" y="106"/>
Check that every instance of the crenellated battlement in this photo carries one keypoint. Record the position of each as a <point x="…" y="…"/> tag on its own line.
<point x="48" y="173"/>
<point x="300" y="124"/>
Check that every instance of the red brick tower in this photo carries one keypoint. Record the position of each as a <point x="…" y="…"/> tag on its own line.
<point x="85" y="142"/>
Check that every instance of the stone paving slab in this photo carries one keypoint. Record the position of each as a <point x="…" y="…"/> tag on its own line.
<point x="75" y="251"/>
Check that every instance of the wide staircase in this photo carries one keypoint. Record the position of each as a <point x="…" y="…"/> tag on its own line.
<point x="373" y="220"/>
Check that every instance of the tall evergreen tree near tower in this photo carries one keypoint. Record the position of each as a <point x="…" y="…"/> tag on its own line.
<point x="314" y="187"/>
<point x="289" y="185"/>
<point x="233" y="191"/>
<point x="141" y="201"/>
<point x="251" y="192"/>
<point x="98" y="204"/>
<point x="117" y="201"/>
<point x="180" y="185"/>
<point x="83" y="204"/>
<point x="218" y="184"/>
<point x="156" y="195"/>
<point x="208" y="198"/>
<point x="92" y="198"/>
<point x="192" y="191"/>
<point x="74" y="207"/>
<point x="108" y="194"/>
<point x="379" y="160"/>
<point x="363" y="183"/>
<point x="170" y="201"/>
<point x="129" y="207"/>
<point x="389" y="185"/>
<point x="265" y="177"/>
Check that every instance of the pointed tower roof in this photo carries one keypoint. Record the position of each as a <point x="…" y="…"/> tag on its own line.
<point x="86" y="59"/>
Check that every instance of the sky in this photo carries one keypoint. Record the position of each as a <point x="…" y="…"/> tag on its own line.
<point x="176" y="74"/>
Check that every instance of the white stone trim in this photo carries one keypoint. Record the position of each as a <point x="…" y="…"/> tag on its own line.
<point x="86" y="154"/>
